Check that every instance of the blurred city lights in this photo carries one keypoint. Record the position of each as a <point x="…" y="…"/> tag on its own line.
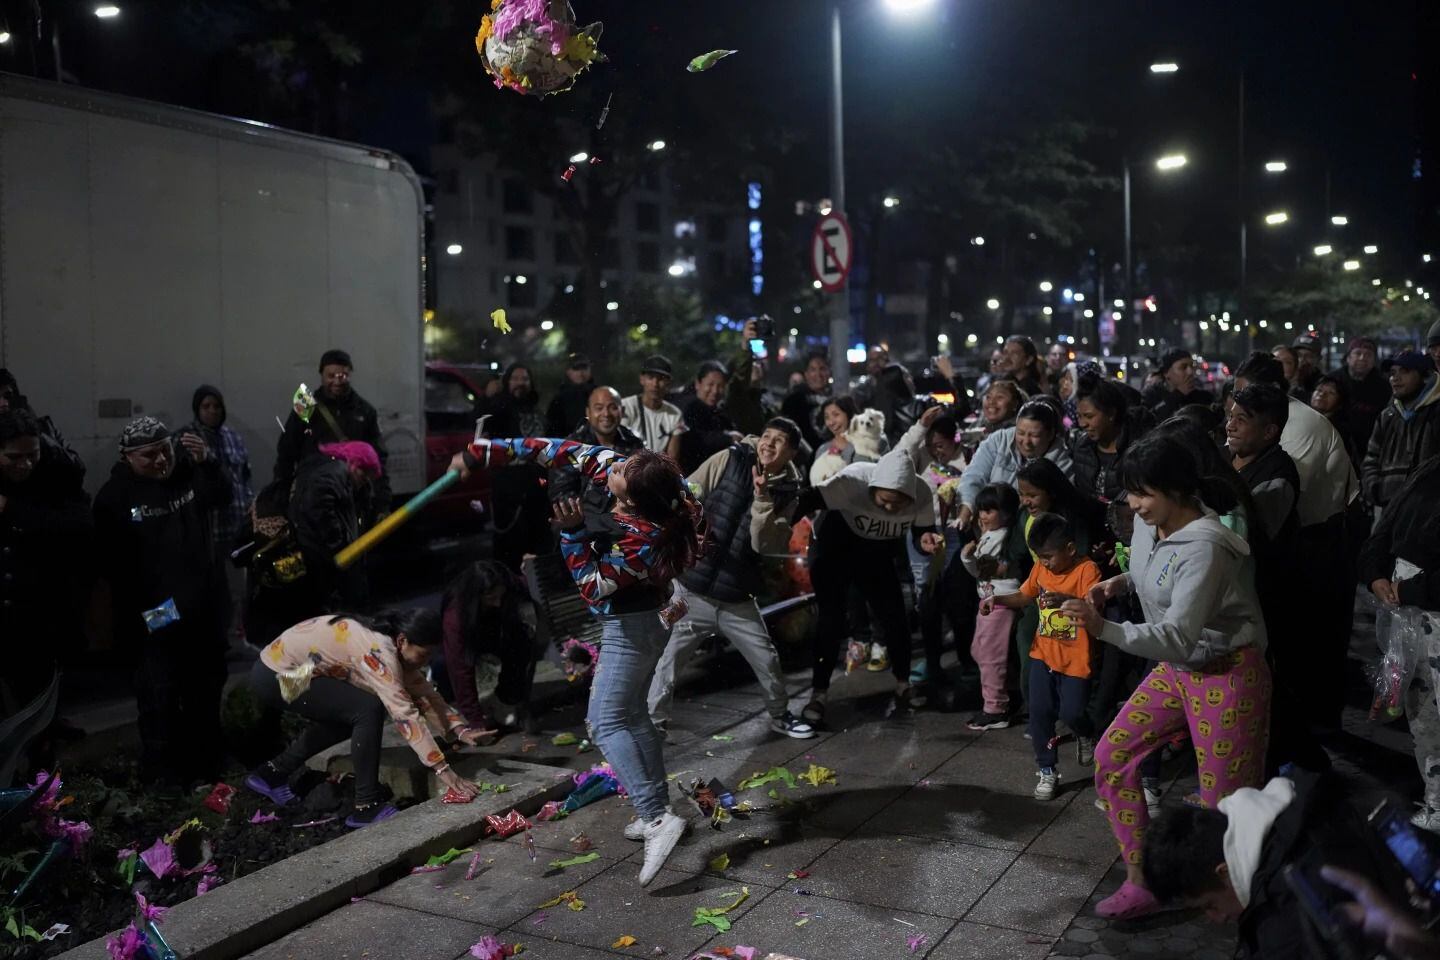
<point x="1371" y="248"/>
<point x="1279" y="216"/>
<point x="1340" y="221"/>
<point x="1164" y="67"/>
<point x="892" y="202"/>
<point x="454" y="249"/>
<point x="580" y="157"/>
<point x="1275" y="166"/>
<point x="1351" y="264"/>
<point x="1323" y="249"/>
<point x="993" y="304"/>
<point x="547" y="325"/>
<point x="107" y="11"/>
<point x="1173" y="161"/>
<point x="654" y="146"/>
<point x="1046" y="286"/>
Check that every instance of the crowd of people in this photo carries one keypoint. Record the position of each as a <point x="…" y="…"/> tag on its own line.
<point x="1136" y="571"/>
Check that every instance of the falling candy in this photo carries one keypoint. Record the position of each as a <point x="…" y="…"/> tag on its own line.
<point x="497" y="317"/>
<point x="569" y="172"/>
<point x="530" y="846"/>
<point x="604" y="114"/>
<point x="707" y="60"/>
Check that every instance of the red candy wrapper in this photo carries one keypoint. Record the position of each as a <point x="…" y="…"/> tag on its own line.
<point x="508" y="825"/>
<point x="454" y="796"/>
<point x="218" y="799"/>
<point x="569" y="172"/>
<point x="671" y="613"/>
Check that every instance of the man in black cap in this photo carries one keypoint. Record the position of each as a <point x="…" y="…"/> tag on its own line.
<point x="340" y="415"/>
<point x="1307" y="366"/>
<point x="1178" y="389"/>
<point x="1408" y="431"/>
<point x="155" y="545"/>
<point x="648" y="414"/>
<point x="1432" y="343"/>
<point x="567" y="409"/>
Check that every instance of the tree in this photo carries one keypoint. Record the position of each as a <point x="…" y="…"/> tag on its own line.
<point x="1336" y="300"/>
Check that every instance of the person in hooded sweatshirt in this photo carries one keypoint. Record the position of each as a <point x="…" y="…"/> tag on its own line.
<point x="870" y="508"/>
<point x="1407" y="432"/>
<point x="155" y="544"/>
<point x="230" y="453"/>
<point x="1204" y="628"/>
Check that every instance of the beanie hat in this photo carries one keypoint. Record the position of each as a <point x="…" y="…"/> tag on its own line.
<point x="1432" y="338"/>
<point x="1172" y="358"/>
<point x="337" y="357"/>
<point x="141" y="432"/>
<point x="355" y="453"/>
<point x="203" y="391"/>
<point x="1360" y="343"/>
<point x="866" y="433"/>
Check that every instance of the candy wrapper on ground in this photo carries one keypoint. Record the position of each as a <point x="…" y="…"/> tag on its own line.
<point x="533" y="46"/>
<point x="1400" y="634"/>
<point x="508" y="825"/>
<point x="578" y="659"/>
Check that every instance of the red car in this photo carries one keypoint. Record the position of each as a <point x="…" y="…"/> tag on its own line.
<point x="452" y="396"/>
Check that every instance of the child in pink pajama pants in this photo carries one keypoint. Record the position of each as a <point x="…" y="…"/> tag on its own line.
<point x="996" y="506"/>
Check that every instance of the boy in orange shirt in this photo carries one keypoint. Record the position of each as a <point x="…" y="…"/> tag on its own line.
<point x="1060" y="682"/>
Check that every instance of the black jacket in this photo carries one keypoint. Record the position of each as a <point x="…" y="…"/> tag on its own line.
<point x="1398" y="446"/>
<point x="566" y="412"/>
<point x="1319" y="827"/>
<point x="729" y="569"/>
<point x="1365" y="399"/>
<point x="803" y="405"/>
<point x="707" y="433"/>
<point x="325" y="515"/>
<point x="45" y="533"/>
<point x="1169" y="402"/>
<point x="155" y="543"/>
<point x="356" y="419"/>
<point x="1409" y="528"/>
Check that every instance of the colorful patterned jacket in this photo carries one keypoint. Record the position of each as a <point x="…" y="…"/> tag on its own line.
<point x="613" y="580"/>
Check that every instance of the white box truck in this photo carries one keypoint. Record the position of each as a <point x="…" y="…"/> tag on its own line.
<point x="147" y="249"/>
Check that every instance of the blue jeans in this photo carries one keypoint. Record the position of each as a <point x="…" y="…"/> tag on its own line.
<point x="1055" y="696"/>
<point x="619" y="718"/>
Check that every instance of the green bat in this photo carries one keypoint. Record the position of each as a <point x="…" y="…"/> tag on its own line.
<point x="707" y="60"/>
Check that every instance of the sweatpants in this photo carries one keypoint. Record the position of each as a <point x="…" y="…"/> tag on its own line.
<point x="840" y="560"/>
<point x="1225" y="706"/>
<point x="991" y="649"/>
<point x="740" y="623"/>
<point x="336" y="709"/>
<point x="1055" y="696"/>
<point x="179" y="680"/>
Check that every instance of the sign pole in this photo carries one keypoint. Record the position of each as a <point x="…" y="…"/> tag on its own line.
<point x="839" y="301"/>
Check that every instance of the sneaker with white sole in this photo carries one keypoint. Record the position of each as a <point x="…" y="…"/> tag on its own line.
<point x="1427" y="818"/>
<point x="792" y="726"/>
<point x="661" y="835"/>
<point x="989" y="721"/>
<point x="879" y="658"/>
<point x="1048" y="784"/>
<point x="1085" y="751"/>
<point x="635" y="829"/>
<point x="1153" y="793"/>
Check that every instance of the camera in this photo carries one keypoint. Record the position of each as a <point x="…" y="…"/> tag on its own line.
<point x="764" y="326"/>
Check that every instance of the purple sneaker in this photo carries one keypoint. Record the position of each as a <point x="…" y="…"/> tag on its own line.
<point x="374" y="813"/>
<point x="281" y="795"/>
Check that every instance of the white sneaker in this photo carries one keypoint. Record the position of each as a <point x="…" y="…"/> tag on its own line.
<point x="792" y="726"/>
<point x="1048" y="784"/>
<point x="661" y="835"/>
<point x="635" y="829"/>
<point x="1427" y="818"/>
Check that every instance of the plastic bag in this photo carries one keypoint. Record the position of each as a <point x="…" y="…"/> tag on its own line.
<point x="1400" y="634"/>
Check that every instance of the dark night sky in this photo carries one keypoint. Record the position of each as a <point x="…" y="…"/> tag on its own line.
<point x="1329" y="86"/>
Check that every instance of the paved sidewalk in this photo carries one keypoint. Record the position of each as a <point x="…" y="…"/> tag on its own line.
<point x="929" y="830"/>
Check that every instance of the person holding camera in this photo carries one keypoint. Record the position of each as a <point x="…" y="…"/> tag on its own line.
<point x="155" y="543"/>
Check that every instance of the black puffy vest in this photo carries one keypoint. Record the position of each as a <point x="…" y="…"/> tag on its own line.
<point x="729" y="570"/>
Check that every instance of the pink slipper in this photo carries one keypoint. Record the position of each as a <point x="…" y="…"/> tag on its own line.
<point x="1128" y="903"/>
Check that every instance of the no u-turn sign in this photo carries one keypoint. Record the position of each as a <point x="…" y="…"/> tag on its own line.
<point x="831" y="251"/>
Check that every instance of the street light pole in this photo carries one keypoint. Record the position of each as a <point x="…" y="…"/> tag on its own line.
<point x="1129" y="251"/>
<point x="840" y="299"/>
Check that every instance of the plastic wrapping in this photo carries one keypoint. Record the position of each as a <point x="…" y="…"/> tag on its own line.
<point x="1400" y="634"/>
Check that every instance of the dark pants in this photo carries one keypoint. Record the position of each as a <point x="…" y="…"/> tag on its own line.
<point x="1113" y="674"/>
<point x="953" y="596"/>
<point x="1054" y="696"/>
<point x="179" y="680"/>
<point x="842" y="560"/>
<point x="1324" y="618"/>
<point x="336" y="709"/>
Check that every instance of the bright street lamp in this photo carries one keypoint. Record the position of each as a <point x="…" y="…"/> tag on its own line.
<point x="1278" y="217"/>
<point x="655" y="146"/>
<point x="677" y="270"/>
<point x="1351" y="264"/>
<point x="1046" y="286"/>
<point x="4" y="36"/>
<point x="978" y="241"/>
<point x="907" y="6"/>
<point x="1165" y="67"/>
<point x="1322" y="250"/>
<point x="891" y="202"/>
<point x="107" y="11"/>
<point x="1339" y="221"/>
<point x="547" y="325"/>
<point x="1275" y="166"/>
<point x="993" y="304"/>
<point x="454" y="249"/>
<point x="580" y="157"/>
<point x="1173" y="161"/>
<point x="1371" y="248"/>
<point x="612" y="306"/>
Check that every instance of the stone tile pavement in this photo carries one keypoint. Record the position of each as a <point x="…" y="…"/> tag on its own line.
<point x="930" y="831"/>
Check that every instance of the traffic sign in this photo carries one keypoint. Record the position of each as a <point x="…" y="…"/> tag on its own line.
<point x="832" y="251"/>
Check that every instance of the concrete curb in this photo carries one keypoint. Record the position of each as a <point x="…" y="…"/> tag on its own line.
<point x="237" y="918"/>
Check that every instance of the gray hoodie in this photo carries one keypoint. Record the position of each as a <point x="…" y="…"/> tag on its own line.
<point x="1198" y="602"/>
<point x="848" y="492"/>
